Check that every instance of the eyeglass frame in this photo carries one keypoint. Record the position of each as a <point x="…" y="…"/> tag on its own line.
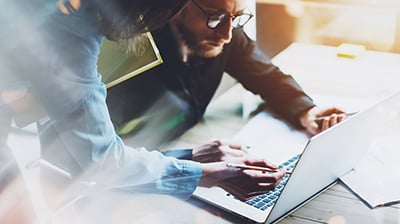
<point x="218" y="14"/>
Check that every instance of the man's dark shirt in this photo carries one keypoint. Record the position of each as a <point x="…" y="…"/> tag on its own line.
<point x="173" y="96"/>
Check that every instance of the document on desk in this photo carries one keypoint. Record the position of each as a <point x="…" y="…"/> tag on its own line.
<point x="376" y="179"/>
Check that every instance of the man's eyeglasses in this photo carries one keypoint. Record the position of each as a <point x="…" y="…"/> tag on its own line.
<point x="215" y="19"/>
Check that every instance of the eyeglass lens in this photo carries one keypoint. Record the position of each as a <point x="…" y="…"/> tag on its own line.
<point x="237" y="21"/>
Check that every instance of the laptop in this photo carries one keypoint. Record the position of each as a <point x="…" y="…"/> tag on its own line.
<point x="316" y="163"/>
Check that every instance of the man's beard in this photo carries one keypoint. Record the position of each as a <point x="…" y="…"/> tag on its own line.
<point x="196" y="48"/>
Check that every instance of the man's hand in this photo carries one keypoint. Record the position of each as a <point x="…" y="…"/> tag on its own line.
<point x="218" y="150"/>
<point x="332" y="116"/>
<point x="242" y="183"/>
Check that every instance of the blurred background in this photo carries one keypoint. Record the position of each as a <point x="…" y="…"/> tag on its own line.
<point x="372" y="23"/>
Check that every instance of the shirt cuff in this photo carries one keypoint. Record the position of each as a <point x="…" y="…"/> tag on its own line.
<point x="181" y="177"/>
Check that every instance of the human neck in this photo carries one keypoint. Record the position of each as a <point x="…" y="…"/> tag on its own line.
<point x="184" y="50"/>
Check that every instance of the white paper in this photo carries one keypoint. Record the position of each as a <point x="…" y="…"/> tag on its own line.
<point x="376" y="179"/>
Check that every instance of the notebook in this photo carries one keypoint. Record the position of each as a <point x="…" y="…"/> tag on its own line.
<point x="117" y="65"/>
<point x="316" y="162"/>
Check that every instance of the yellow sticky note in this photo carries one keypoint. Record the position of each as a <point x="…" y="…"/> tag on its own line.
<point x="350" y="50"/>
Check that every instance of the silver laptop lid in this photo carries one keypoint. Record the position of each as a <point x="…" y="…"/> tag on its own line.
<point x="330" y="155"/>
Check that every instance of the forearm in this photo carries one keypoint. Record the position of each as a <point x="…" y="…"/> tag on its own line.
<point x="254" y="70"/>
<point x="94" y="150"/>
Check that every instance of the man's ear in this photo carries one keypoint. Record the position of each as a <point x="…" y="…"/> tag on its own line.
<point x="68" y="6"/>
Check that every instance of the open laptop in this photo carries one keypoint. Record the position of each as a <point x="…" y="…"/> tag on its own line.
<point x="318" y="162"/>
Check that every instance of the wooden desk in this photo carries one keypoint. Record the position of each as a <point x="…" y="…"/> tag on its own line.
<point x="223" y="119"/>
<point x="337" y="205"/>
<point x="318" y="69"/>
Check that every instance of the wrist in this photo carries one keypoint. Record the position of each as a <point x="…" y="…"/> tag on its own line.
<point x="212" y="173"/>
<point x="304" y="116"/>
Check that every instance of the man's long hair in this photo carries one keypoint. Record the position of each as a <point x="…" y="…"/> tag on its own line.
<point x="124" y="19"/>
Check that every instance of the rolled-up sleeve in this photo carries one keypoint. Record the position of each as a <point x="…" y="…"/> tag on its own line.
<point x="60" y="62"/>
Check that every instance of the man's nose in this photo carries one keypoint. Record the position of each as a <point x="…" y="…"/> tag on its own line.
<point x="224" y="30"/>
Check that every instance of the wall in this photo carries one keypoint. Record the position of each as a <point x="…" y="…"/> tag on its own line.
<point x="374" y="24"/>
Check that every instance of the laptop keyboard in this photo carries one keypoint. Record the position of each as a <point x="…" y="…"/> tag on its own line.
<point x="264" y="201"/>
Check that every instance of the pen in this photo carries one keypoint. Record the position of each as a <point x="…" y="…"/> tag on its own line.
<point x="319" y="120"/>
<point x="390" y="203"/>
<point x="248" y="167"/>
